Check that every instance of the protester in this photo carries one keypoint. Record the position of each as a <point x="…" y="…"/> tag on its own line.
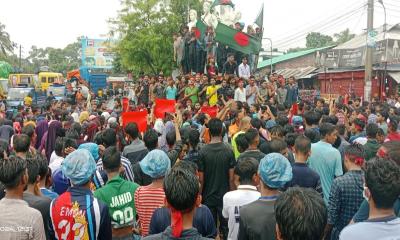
<point x="91" y="217"/>
<point x="303" y="176"/>
<point x="325" y="159"/>
<point x="135" y="151"/>
<point x="156" y="164"/>
<point x="203" y="220"/>
<point x="252" y="139"/>
<point x="372" y="145"/>
<point x="382" y="189"/>
<point x="118" y="194"/>
<point x="300" y="203"/>
<point x="15" y="212"/>
<point x="33" y="195"/>
<point x="216" y="164"/>
<point x="109" y="139"/>
<point x="246" y="193"/>
<point x="274" y="171"/>
<point x="182" y="197"/>
<point x="346" y="193"/>
<point x="21" y="145"/>
<point x="393" y="133"/>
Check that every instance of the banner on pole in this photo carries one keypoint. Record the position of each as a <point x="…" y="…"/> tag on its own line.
<point x="163" y="106"/>
<point x="140" y="118"/>
<point x="211" y="111"/>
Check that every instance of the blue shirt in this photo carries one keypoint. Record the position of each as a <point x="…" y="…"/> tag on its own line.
<point x="304" y="177"/>
<point x="170" y="92"/>
<point x="48" y="193"/>
<point x="327" y="162"/>
<point x="203" y="221"/>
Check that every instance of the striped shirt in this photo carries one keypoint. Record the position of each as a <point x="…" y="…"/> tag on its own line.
<point x="147" y="199"/>
<point x="128" y="173"/>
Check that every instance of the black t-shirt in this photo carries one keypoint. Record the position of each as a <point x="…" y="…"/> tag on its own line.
<point x="215" y="161"/>
<point x="256" y="154"/>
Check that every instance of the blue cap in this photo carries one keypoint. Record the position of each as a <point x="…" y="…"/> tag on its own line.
<point x="275" y="170"/>
<point x="297" y="120"/>
<point x="156" y="164"/>
<point x="79" y="166"/>
<point x="93" y="148"/>
<point x="270" y="124"/>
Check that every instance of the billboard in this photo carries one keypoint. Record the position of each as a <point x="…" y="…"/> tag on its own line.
<point x="97" y="53"/>
<point x="336" y="58"/>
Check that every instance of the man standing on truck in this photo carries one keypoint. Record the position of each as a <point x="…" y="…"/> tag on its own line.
<point x="28" y="100"/>
<point x="78" y="96"/>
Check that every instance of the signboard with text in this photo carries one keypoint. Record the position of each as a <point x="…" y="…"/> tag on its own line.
<point x="336" y="58"/>
<point x="97" y="53"/>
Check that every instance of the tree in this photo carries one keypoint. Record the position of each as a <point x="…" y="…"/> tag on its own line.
<point x="343" y="36"/>
<point x="296" y="49"/>
<point x="6" y="45"/>
<point x="146" y="28"/>
<point x="317" y="40"/>
<point x="57" y="59"/>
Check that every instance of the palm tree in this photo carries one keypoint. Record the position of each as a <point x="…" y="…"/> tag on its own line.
<point x="6" y="45"/>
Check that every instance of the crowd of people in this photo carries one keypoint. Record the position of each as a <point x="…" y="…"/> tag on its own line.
<point x="193" y="54"/>
<point x="268" y="165"/>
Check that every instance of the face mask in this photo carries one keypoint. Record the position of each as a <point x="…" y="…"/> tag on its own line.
<point x="365" y="195"/>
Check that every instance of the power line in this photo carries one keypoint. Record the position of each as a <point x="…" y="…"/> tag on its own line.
<point x="391" y="12"/>
<point x="318" y="26"/>
<point x="320" y="23"/>
<point x="321" y="29"/>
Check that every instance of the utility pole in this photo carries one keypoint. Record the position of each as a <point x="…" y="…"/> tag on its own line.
<point x="20" y="50"/>
<point x="368" y="59"/>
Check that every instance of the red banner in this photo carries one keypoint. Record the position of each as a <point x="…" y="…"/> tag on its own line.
<point x="211" y="111"/>
<point x="140" y="118"/>
<point x="163" y="106"/>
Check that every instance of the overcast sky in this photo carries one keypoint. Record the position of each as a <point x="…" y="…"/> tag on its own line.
<point x="56" y="23"/>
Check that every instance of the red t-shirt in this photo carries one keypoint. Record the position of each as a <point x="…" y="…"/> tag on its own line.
<point x="393" y="137"/>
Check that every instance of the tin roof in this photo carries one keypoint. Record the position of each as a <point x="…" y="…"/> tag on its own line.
<point x="289" y="56"/>
<point x="298" y="73"/>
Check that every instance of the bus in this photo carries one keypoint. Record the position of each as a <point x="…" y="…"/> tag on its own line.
<point x="17" y="79"/>
<point x="47" y="79"/>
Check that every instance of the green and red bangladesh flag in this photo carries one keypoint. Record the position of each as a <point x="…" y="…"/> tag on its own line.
<point x="237" y="40"/>
<point x="200" y="29"/>
<point x="222" y="2"/>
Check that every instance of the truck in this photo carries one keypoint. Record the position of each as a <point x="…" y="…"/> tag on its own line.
<point x="85" y="76"/>
<point x="16" y="96"/>
<point x="59" y="91"/>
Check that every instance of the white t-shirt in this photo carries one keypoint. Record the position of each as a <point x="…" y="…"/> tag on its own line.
<point x="240" y="95"/>
<point x="55" y="162"/>
<point x="244" y="71"/>
<point x="232" y="201"/>
<point x="384" y="229"/>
